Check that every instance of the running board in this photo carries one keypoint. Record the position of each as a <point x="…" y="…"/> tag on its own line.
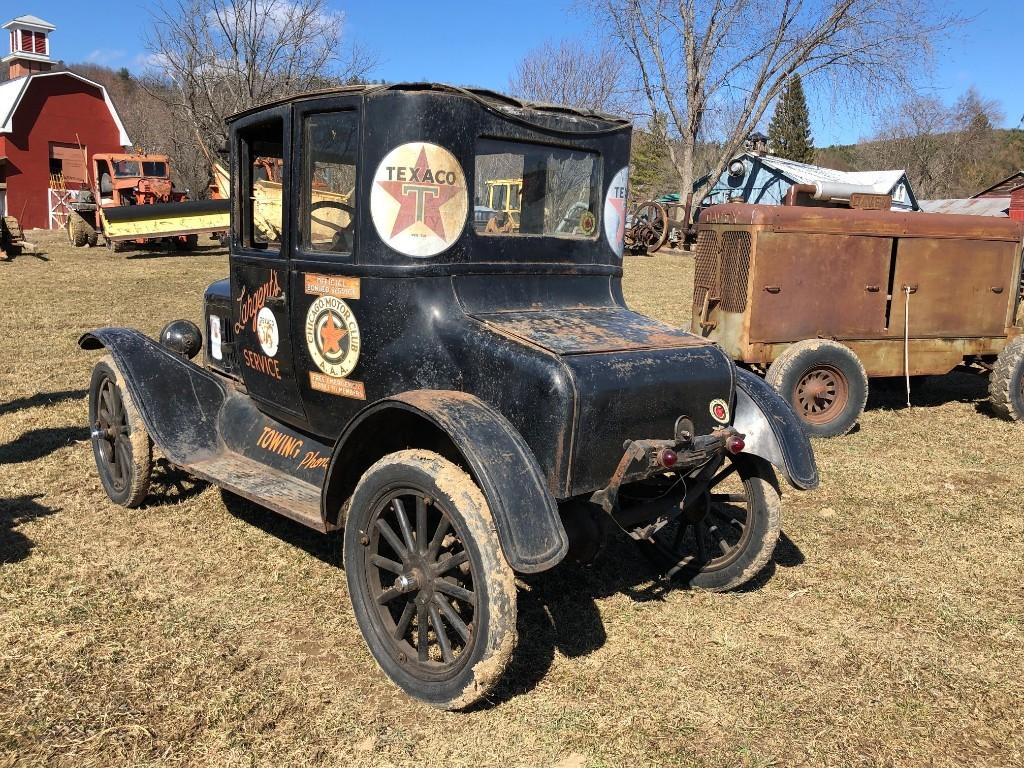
<point x="265" y="486"/>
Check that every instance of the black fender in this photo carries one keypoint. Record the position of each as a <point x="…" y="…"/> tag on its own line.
<point x="773" y="431"/>
<point x="525" y="513"/>
<point x="178" y="401"/>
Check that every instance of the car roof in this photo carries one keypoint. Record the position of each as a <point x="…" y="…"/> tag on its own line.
<point x="489" y="98"/>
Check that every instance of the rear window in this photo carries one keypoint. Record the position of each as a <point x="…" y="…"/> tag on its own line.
<point x="533" y="189"/>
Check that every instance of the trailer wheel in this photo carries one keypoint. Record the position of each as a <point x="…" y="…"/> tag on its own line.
<point x="120" y="443"/>
<point x="729" y="534"/>
<point x="79" y="230"/>
<point x="430" y="588"/>
<point x="186" y="243"/>
<point x="1006" y="383"/>
<point x="825" y="384"/>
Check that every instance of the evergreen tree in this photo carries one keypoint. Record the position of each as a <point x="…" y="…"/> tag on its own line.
<point x="647" y="167"/>
<point x="789" y="133"/>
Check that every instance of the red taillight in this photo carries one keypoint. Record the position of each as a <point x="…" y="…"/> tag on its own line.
<point x="735" y="444"/>
<point x="667" y="458"/>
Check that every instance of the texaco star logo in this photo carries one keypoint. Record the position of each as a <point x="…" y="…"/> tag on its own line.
<point x="615" y="211"/>
<point x="332" y="336"/>
<point x="419" y="200"/>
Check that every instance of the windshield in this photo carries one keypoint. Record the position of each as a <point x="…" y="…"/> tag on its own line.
<point x="531" y="189"/>
<point x="153" y="168"/>
<point x="126" y="168"/>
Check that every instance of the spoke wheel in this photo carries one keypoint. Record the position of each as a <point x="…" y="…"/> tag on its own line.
<point x="728" y="534"/>
<point x="820" y="394"/>
<point x="650" y="227"/>
<point x="422" y="580"/>
<point x="429" y="585"/>
<point x="120" y="443"/>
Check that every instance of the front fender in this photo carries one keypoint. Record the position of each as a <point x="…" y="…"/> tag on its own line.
<point x="773" y="431"/>
<point x="178" y="400"/>
<point x="525" y="513"/>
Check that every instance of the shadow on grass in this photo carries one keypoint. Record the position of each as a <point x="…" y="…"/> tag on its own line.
<point x="42" y="398"/>
<point x="170" y="484"/>
<point x="14" y="545"/>
<point x="37" y="443"/>
<point x="557" y="609"/>
<point x="326" y="548"/>
<point x="141" y="252"/>
<point x="890" y="393"/>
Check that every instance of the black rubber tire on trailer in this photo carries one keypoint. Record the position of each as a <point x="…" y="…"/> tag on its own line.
<point x="726" y="539"/>
<point x="825" y="384"/>
<point x="94" y="238"/>
<point x="120" y="443"/>
<point x="1006" y="382"/>
<point x="78" y="230"/>
<point x="433" y="554"/>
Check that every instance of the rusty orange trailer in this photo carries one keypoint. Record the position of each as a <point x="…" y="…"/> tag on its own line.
<point x="819" y="300"/>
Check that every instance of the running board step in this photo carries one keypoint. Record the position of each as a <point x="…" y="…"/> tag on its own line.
<point x="265" y="486"/>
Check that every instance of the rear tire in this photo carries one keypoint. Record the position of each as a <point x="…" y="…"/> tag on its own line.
<point x="421" y="546"/>
<point x="120" y="443"/>
<point x="1006" y="383"/>
<point x="824" y="383"/>
<point x="79" y="230"/>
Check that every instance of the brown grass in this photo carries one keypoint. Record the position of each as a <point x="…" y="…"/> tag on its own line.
<point x="197" y="631"/>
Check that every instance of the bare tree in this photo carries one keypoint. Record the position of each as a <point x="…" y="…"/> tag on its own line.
<point x="217" y="57"/>
<point x="946" y="151"/>
<point x="719" y="64"/>
<point x="567" y="73"/>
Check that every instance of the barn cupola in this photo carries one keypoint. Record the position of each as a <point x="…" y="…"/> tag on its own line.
<point x="30" y="46"/>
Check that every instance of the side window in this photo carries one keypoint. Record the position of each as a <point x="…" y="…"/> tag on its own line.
<point x="328" y="195"/>
<point x="262" y="153"/>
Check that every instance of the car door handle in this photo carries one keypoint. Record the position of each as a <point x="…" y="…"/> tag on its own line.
<point x="871" y="288"/>
<point x="773" y="289"/>
<point x="276" y="302"/>
<point x="997" y="289"/>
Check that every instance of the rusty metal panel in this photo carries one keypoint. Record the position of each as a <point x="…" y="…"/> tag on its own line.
<point x="961" y="287"/>
<point x="808" y="285"/>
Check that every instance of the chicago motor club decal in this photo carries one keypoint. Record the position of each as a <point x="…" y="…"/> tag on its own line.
<point x="615" y="211"/>
<point x="419" y="200"/>
<point x="332" y="336"/>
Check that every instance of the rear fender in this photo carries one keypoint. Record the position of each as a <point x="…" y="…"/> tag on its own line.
<point x="178" y="400"/>
<point x="773" y="431"/>
<point x="493" y="452"/>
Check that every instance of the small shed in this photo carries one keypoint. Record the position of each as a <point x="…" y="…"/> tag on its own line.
<point x="753" y="177"/>
<point x="1002" y="188"/>
<point x="51" y="124"/>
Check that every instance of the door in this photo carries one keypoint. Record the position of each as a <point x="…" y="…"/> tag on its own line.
<point x="326" y="289"/>
<point x="260" y="264"/>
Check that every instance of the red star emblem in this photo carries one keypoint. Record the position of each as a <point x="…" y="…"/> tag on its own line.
<point x="331" y="336"/>
<point x="421" y="201"/>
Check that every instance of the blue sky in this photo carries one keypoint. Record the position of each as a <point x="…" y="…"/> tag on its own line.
<point x="479" y="43"/>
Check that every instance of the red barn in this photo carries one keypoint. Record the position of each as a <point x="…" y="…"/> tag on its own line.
<point x="51" y="124"/>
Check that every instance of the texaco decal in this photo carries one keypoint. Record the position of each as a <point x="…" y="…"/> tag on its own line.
<point x="419" y="200"/>
<point x="267" y="332"/>
<point x="615" y="211"/>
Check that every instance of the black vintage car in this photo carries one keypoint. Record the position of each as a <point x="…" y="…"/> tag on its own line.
<point x="466" y="402"/>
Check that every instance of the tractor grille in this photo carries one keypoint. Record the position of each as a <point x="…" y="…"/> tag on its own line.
<point x="735" y="270"/>
<point x="705" y="277"/>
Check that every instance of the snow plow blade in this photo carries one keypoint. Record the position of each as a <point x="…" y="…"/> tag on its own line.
<point x="192" y="217"/>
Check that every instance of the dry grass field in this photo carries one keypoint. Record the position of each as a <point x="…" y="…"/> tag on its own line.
<point x="201" y="631"/>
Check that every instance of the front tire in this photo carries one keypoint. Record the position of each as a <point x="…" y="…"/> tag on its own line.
<point x="431" y="590"/>
<point x="120" y="443"/>
<point x="824" y="382"/>
<point x="723" y="540"/>
<point x="1006" y="383"/>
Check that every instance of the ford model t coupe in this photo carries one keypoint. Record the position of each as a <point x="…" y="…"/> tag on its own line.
<point x="467" y="399"/>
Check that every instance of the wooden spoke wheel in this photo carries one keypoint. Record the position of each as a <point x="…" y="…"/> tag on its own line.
<point x="727" y="535"/>
<point x="430" y="587"/>
<point x="120" y="443"/>
<point x="820" y="394"/>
